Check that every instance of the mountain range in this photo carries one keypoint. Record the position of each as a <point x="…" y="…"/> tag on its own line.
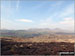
<point x="33" y="32"/>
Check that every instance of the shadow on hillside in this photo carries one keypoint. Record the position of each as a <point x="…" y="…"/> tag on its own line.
<point x="28" y="48"/>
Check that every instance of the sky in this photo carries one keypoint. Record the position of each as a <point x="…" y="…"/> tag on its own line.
<point x="23" y="14"/>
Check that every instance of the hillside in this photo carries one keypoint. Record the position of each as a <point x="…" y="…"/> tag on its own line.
<point x="33" y="32"/>
<point x="36" y="42"/>
<point x="45" y="38"/>
<point x="11" y="47"/>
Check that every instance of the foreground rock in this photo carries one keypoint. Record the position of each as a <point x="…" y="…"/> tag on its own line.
<point x="10" y="47"/>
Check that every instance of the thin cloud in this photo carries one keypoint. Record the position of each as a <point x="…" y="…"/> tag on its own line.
<point x="38" y="6"/>
<point x="67" y="11"/>
<point x="17" y="4"/>
<point x="58" y="3"/>
<point x="67" y="21"/>
<point x="25" y="20"/>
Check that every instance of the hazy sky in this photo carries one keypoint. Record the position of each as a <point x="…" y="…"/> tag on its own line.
<point x="21" y="14"/>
